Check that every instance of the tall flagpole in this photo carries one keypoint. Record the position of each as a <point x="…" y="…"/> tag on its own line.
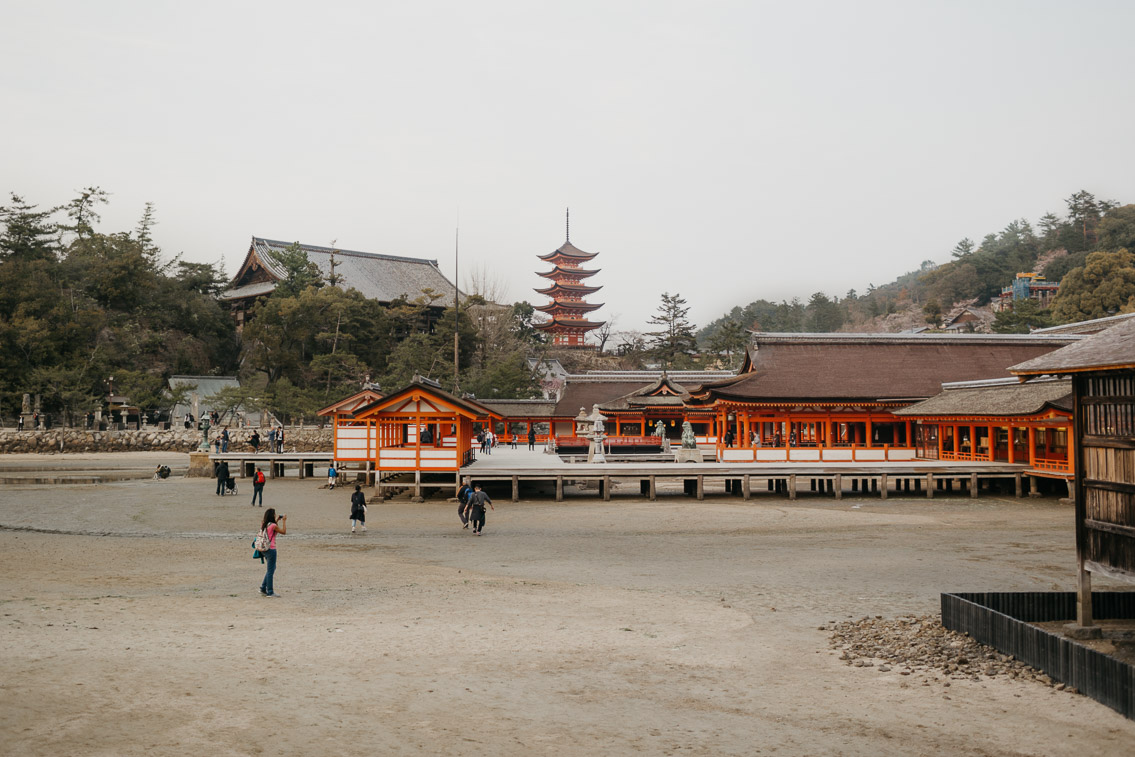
<point x="456" y="306"/>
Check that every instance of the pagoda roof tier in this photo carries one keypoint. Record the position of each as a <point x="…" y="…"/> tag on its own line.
<point x="567" y="251"/>
<point x="583" y="307"/>
<point x="574" y="323"/>
<point x="558" y="288"/>
<point x="559" y="270"/>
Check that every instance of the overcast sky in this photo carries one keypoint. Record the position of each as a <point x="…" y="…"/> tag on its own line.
<point x="726" y="151"/>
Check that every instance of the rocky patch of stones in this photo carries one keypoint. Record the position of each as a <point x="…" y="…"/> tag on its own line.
<point x="920" y="647"/>
<point x="54" y="441"/>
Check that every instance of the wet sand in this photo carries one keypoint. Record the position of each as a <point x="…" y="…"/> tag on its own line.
<point x="132" y="625"/>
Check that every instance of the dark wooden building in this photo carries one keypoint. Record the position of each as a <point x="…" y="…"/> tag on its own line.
<point x="1102" y="368"/>
<point x="378" y="277"/>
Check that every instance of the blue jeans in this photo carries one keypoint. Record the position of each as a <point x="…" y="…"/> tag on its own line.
<point x="266" y="584"/>
<point x="258" y="491"/>
<point x="224" y="446"/>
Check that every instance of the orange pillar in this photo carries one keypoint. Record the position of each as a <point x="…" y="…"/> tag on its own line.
<point x="1032" y="447"/>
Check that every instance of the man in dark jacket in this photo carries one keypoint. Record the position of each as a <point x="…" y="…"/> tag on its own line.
<point x="222" y="477"/>
<point x="477" y="502"/>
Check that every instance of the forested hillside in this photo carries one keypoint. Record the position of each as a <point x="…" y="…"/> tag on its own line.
<point x="80" y="307"/>
<point x="1087" y="248"/>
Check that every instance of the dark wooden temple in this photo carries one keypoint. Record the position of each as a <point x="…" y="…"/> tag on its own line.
<point x="384" y="278"/>
<point x="1102" y="371"/>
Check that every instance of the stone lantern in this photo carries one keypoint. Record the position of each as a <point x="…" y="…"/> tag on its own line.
<point x="598" y="434"/>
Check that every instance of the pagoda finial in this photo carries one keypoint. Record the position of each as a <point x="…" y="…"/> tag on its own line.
<point x="567" y="225"/>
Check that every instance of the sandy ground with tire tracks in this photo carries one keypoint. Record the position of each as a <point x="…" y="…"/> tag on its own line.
<point x="131" y="625"/>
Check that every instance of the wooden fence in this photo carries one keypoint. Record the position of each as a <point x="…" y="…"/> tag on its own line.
<point x="1002" y="621"/>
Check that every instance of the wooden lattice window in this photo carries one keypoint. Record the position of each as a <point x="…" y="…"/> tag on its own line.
<point x="1109" y="406"/>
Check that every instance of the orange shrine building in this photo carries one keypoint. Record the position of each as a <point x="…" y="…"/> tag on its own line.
<point x="796" y="398"/>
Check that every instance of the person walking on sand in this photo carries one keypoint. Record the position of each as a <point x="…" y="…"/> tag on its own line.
<point x="463" y="502"/>
<point x="332" y="475"/>
<point x="477" y="502"/>
<point x="358" y="508"/>
<point x="258" y="486"/>
<point x="274" y="527"/>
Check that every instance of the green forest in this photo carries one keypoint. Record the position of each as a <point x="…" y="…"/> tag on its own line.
<point x="83" y="311"/>
<point x="1088" y="249"/>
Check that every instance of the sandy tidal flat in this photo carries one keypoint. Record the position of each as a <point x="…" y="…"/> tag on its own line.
<point x="132" y="625"/>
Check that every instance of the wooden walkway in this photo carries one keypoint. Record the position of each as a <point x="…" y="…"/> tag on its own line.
<point x="899" y="477"/>
<point x="276" y="464"/>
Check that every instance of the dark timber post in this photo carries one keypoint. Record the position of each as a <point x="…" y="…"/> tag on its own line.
<point x="838" y="486"/>
<point x="746" y="489"/>
<point x="559" y="488"/>
<point x="606" y="484"/>
<point x="973" y="485"/>
<point x="929" y="486"/>
<point x="882" y="486"/>
<point x="516" y="488"/>
<point x="653" y="490"/>
<point x="701" y="487"/>
<point x="792" y="486"/>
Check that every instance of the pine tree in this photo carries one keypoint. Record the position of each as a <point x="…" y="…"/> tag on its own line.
<point x="673" y="344"/>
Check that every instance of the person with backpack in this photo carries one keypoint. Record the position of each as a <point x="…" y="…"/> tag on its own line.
<point x="463" y="502"/>
<point x="272" y="527"/>
<point x="332" y="475"/>
<point x="477" y="501"/>
<point x="258" y="486"/>
<point x="358" y="508"/>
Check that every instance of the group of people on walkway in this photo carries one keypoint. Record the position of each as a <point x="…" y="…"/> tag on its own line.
<point x="488" y="440"/>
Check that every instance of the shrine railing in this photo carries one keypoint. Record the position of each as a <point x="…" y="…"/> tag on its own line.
<point x="814" y="454"/>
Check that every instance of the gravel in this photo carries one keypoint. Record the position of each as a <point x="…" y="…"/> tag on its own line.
<point x="920" y="647"/>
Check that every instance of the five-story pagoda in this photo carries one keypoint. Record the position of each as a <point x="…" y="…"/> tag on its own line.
<point x="569" y="323"/>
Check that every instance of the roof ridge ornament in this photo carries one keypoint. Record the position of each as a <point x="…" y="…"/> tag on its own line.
<point x="567" y="226"/>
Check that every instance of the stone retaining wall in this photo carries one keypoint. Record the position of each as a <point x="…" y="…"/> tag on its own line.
<point x="55" y="441"/>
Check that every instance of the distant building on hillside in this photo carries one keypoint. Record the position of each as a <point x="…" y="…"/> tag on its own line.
<point x="379" y="277"/>
<point x="1027" y="286"/>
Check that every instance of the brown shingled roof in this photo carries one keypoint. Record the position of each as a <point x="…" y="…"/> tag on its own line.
<point x="584" y="394"/>
<point x="998" y="400"/>
<point x="1113" y="348"/>
<point x="875" y="366"/>
<point x="522" y="408"/>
